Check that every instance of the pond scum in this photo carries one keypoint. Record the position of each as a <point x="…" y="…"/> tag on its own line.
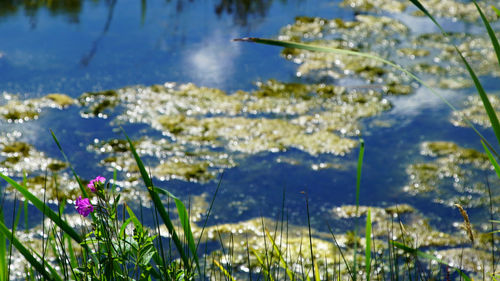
<point x="208" y="130"/>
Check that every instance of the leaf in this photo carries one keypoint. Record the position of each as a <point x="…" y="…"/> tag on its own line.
<point x="495" y="124"/>
<point x="493" y="161"/>
<point x="25" y="252"/>
<point x="44" y="208"/>
<point x="158" y="204"/>
<point x="427" y="256"/>
<point x="224" y="270"/>
<point x="280" y="256"/>
<point x="315" y="48"/>
<point x="184" y="219"/>
<point x="368" y="239"/>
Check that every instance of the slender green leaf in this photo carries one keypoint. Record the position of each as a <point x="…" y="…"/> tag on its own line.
<point x="44" y="208"/>
<point x="496" y="10"/>
<point x="495" y="124"/>
<point x="368" y="244"/>
<point x="358" y="185"/>
<point x="283" y="263"/>
<point x="358" y="172"/>
<point x="25" y="252"/>
<point x="421" y="254"/>
<point x="82" y="188"/>
<point x="316" y="272"/>
<point x="157" y="202"/>
<point x="72" y="257"/>
<point x="315" y="48"/>
<point x="264" y="268"/>
<point x="493" y="161"/>
<point x="184" y="219"/>
<point x="3" y="251"/>
<point x="226" y="273"/>
<point x="491" y="32"/>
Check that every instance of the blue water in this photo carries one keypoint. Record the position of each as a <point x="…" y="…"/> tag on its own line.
<point x="112" y="44"/>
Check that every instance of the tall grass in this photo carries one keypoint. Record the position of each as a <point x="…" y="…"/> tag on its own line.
<point x="108" y="251"/>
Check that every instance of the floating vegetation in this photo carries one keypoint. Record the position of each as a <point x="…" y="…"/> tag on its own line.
<point x="315" y="118"/>
<point x="453" y="176"/>
<point x="96" y="104"/>
<point x="474" y="111"/>
<point x="454" y="9"/>
<point x="19" y="157"/>
<point x="171" y="160"/>
<point x="393" y="6"/>
<point x="386" y="38"/>
<point x="16" y="110"/>
<point x="416" y="227"/>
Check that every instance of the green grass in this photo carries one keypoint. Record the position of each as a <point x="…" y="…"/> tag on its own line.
<point x="105" y="251"/>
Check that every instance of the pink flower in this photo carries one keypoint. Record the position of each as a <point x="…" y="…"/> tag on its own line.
<point x="93" y="183"/>
<point x="83" y="206"/>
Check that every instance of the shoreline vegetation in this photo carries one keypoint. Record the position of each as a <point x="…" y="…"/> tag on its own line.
<point x="106" y="239"/>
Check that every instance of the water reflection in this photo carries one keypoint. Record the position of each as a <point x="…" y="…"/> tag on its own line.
<point x="212" y="62"/>
<point x="241" y="9"/>
<point x="88" y="57"/>
<point x="69" y="8"/>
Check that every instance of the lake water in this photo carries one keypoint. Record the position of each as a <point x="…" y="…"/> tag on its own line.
<point x="102" y="45"/>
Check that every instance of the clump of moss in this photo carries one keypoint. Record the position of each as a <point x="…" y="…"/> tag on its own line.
<point x="413" y="52"/>
<point x="175" y="160"/>
<point x="20" y="111"/>
<point x="474" y="112"/>
<point x="452" y="175"/>
<point x="17" y="148"/>
<point x="61" y="100"/>
<point x="99" y="103"/>
<point x="17" y="111"/>
<point x="393" y="6"/>
<point x="178" y="169"/>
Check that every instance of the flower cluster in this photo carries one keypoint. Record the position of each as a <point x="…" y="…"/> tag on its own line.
<point x="83" y="206"/>
<point x="93" y="184"/>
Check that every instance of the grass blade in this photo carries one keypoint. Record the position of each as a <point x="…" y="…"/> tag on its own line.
<point x="82" y="188"/>
<point x="368" y="244"/>
<point x="496" y="10"/>
<point x="491" y="32"/>
<point x="314" y="48"/>
<point x="184" y="219"/>
<point x="158" y="204"/>
<point x="280" y="256"/>
<point x="3" y="251"/>
<point x="421" y="254"/>
<point x="495" y="124"/>
<point x="358" y="185"/>
<point x="44" y="208"/>
<point x="25" y="252"/>
<point x="492" y="159"/>
<point x="226" y="273"/>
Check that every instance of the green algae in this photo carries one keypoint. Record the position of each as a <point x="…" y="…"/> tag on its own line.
<point x="393" y="6"/>
<point x="386" y="38"/>
<point x="61" y="100"/>
<point x="474" y="112"/>
<point x="98" y="104"/>
<point x="453" y="176"/>
<point x="454" y="9"/>
<point x="315" y="118"/>
<point x="173" y="160"/>
<point x="413" y="52"/>
<point x="16" y="110"/>
<point x="19" y="157"/>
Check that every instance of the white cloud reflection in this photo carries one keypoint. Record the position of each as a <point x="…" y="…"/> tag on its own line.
<point x="211" y="63"/>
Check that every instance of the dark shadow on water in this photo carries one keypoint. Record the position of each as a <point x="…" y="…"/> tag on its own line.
<point x="242" y="10"/>
<point x="88" y="57"/>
